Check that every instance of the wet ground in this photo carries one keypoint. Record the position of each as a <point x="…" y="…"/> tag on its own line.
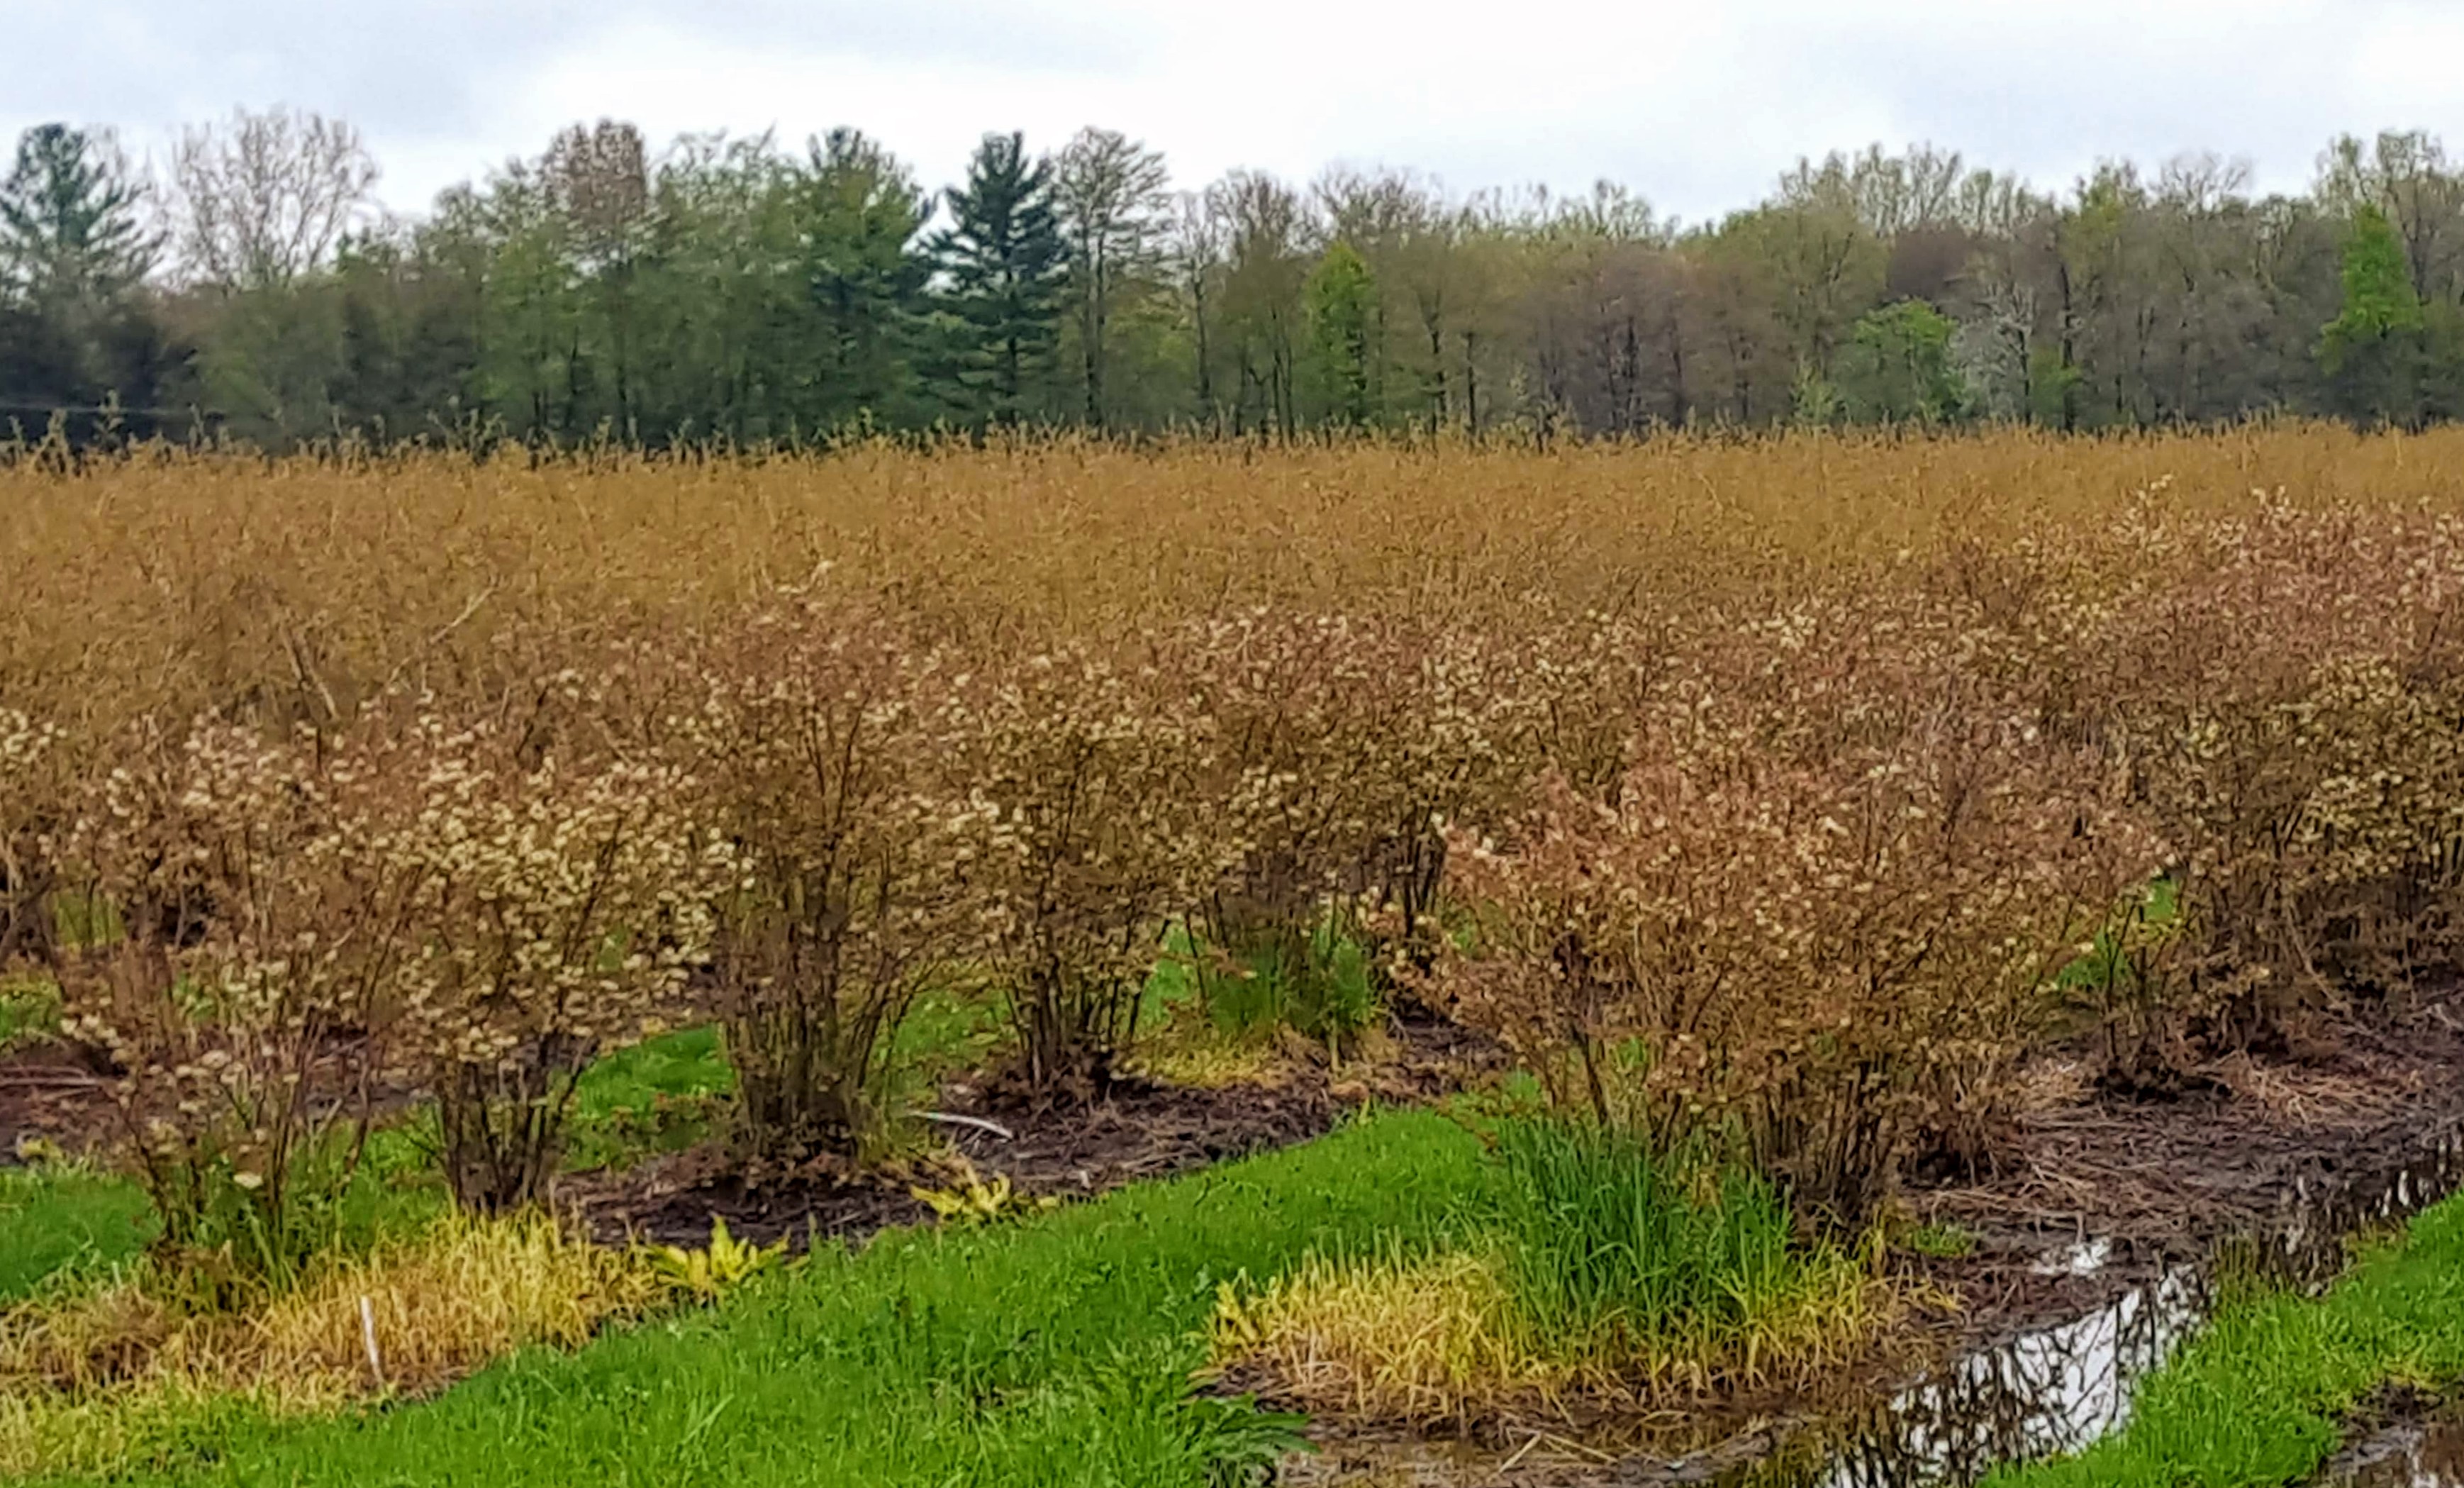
<point x="45" y="1092"/>
<point x="2096" y="1236"/>
<point x="2426" y="1451"/>
<point x="2043" y="1390"/>
<point x="1137" y="1132"/>
<point x="2262" y="1140"/>
<point x="2097" y="1240"/>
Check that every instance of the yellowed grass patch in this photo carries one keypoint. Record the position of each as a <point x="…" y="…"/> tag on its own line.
<point x="89" y="1380"/>
<point x="1418" y="1340"/>
<point x="1435" y="1340"/>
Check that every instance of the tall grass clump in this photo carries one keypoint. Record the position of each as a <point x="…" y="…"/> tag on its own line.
<point x="1318" y="982"/>
<point x="1592" y="1269"/>
<point x="1617" y="1252"/>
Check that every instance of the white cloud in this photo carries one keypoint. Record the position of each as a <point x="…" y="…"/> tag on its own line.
<point x="1695" y="105"/>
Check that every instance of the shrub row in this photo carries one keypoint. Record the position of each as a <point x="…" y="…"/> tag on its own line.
<point x="798" y="819"/>
<point x="2191" y="785"/>
<point x="1808" y="874"/>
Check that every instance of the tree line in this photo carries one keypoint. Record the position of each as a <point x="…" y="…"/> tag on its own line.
<point x="736" y="289"/>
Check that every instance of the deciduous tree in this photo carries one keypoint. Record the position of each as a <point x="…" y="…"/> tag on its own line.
<point x="261" y="199"/>
<point x="1109" y="194"/>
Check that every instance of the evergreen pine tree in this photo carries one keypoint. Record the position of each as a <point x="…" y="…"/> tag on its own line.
<point x="1342" y="300"/>
<point x="860" y="214"/>
<point x="73" y="250"/>
<point x="70" y="236"/>
<point x="1005" y="264"/>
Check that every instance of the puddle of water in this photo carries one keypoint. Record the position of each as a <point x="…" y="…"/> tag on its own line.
<point x="2083" y="1260"/>
<point x="2050" y="1392"/>
<point x="2039" y="1394"/>
<point x="2412" y="1457"/>
<point x="2058" y="1389"/>
<point x="2307" y="1248"/>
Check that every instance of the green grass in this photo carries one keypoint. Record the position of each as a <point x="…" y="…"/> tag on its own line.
<point x="2258" y="1399"/>
<point x="947" y="1032"/>
<point x="68" y="1220"/>
<point x="28" y="1011"/>
<point x="2148" y="917"/>
<point x="1050" y="1352"/>
<point x="55" y="1220"/>
<point x="669" y="1093"/>
<point x="1588" y="1268"/>
<point x="59" y="1221"/>
<point x="1614" y="1250"/>
<point x="1321" y="987"/>
<point x="1942" y="1242"/>
<point x="660" y="1096"/>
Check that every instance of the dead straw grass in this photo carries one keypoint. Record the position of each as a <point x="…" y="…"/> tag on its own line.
<point x="89" y="1380"/>
<point x="1435" y="1342"/>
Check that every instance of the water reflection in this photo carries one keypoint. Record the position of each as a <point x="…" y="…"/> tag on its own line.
<point x="2043" y="1393"/>
<point x="2307" y="1246"/>
<point x="2048" y="1393"/>
<point x="2057" y="1389"/>
<point x="2417" y="1456"/>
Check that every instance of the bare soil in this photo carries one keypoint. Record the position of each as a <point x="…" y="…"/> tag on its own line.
<point x="45" y="1092"/>
<point x="2163" y="1180"/>
<point x="1138" y="1130"/>
<point x="2400" y="1438"/>
<point x="2166" y="1181"/>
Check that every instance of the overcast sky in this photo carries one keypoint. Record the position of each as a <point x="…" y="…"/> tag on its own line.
<point x="1695" y="105"/>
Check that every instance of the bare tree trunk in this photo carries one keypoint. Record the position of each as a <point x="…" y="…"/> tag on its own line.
<point x="1090" y="335"/>
<point x="1680" y="412"/>
<point x="1471" y="381"/>
<point x="2070" y="349"/>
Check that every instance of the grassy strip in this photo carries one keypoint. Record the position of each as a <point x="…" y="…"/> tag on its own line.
<point x="1054" y="1352"/>
<point x="2257" y="1398"/>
